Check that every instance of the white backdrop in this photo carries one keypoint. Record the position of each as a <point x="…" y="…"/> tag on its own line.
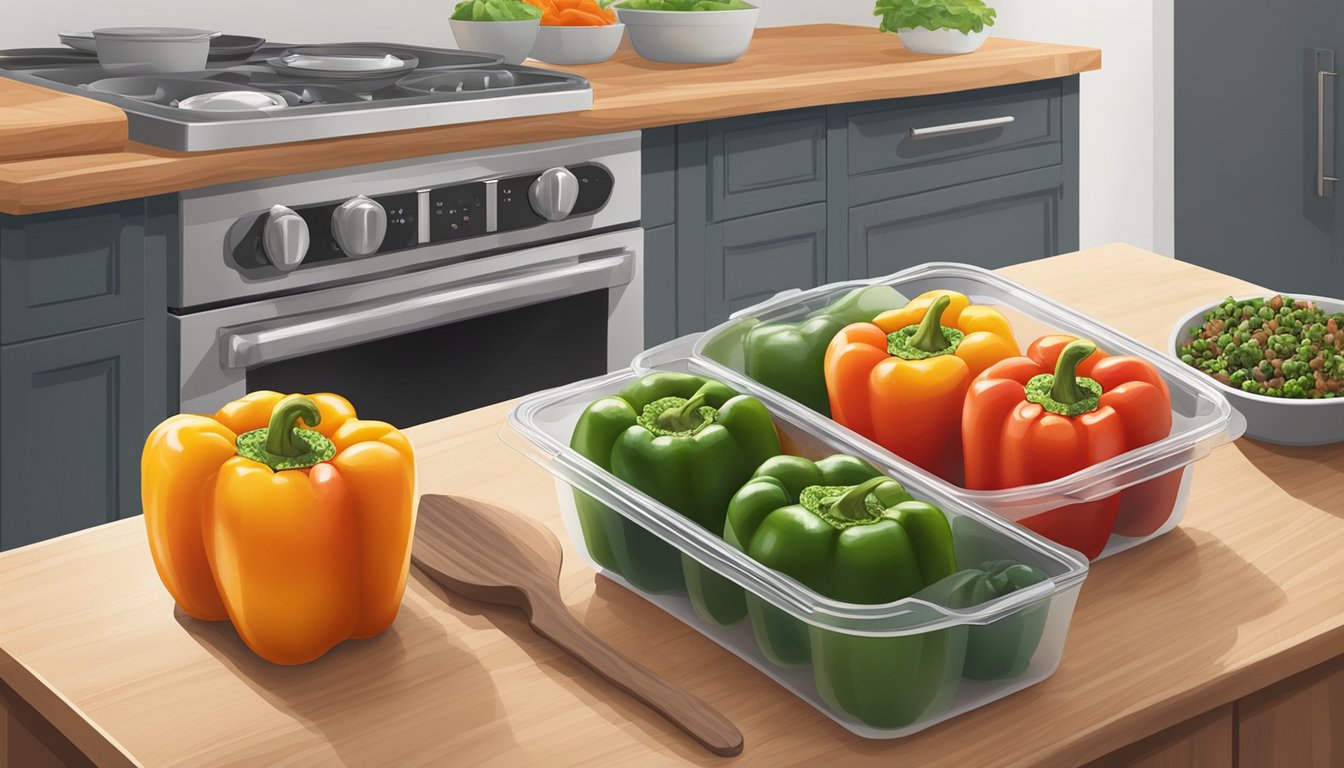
<point x="1126" y="107"/>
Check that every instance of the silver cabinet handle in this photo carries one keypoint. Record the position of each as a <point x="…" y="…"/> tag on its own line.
<point x="934" y="131"/>
<point x="283" y="338"/>
<point x="1325" y="134"/>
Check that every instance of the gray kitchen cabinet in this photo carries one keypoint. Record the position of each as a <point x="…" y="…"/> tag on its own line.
<point x="767" y="162"/>
<point x="1253" y="197"/>
<point x="84" y="362"/>
<point x="749" y="260"/>
<point x="914" y="145"/>
<point x="73" y="415"/>
<point x="791" y="199"/>
<point x="994" y="223"/>
<point x="660" y="280"/>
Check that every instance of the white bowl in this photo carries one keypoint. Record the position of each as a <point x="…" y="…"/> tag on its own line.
<point x="511" y="39"/>
<point x="1275" y="419"/>
<point x="942" y="41"/>
<point x="153" y="49"/>
<point x="577" y="45"/>
<point x="690" y="37"/>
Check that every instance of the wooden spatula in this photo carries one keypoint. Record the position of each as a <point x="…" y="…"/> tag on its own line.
<point x="488" y="553"/>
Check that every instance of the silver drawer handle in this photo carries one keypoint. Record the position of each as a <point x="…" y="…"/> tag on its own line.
<point x="1325" y="136"/>
<point x="283" y="338"/>
<point x="954" y="128"/>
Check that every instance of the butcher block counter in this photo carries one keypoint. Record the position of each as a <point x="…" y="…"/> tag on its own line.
<point x="1225" y="634"/>
<point x="786" y="68"/>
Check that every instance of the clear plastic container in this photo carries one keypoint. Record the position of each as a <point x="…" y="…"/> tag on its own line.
<point x="881" y="671"/>
<point x="1158" y="473"/>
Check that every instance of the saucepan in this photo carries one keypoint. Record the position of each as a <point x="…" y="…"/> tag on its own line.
<point x="153" y="49"/>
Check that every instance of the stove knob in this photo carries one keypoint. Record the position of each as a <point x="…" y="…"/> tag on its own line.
<point x="554" y="193"/>
<point x="359" y="225"/>
<point x="284" y="237"/>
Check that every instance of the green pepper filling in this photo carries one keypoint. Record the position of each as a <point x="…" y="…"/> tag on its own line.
<point x="928" y="339"/>
<point x="844" y="506"/>
<point x="677" y="416"/>
<point x="1064" y="392"/>
<point x="281" y="444"/>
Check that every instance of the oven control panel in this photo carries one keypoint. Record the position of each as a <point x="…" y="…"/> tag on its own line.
<point x="288" y="237"/>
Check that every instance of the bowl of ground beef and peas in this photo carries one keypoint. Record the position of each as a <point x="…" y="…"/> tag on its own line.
<point x="1279" y="359"/>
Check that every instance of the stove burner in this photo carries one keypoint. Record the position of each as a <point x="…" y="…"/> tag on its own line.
<point x="457" y="80"/>
<point x="342" y="62"/>
<point x="233" y="101"/>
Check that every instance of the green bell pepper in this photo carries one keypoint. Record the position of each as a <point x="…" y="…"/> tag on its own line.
<point x="688" y="442"/>
<point x="1004" y="648"/>
<point x="850" y="534"/>
<point x="788" y="357"/>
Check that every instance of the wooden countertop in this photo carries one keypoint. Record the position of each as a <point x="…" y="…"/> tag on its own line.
<point x="786" y="68"/>
<point x="1244" y="593"/>
<point x="38" y="122"/>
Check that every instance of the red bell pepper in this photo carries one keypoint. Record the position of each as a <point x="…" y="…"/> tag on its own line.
<point x="1063" y="407"/>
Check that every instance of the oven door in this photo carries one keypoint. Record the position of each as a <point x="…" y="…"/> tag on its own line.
<point x="423" y="345"/>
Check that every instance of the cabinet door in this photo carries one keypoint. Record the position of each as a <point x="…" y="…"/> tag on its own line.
<point x="660" y="285"/>
<point x="990" y="223"/>
<point x="72" y="423"/>
<point x="749" y="260"/>
<point x="766" y="162"/>
<point x="69" y="270"/>
<point x="1297" y="723"/>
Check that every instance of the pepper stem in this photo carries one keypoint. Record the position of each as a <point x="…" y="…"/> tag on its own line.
<point x="1066" y="389"/>
<point x="282" y="444"/>
<point x="684" y="417"/>
<point x="852" y="506"/>
<point x="930" y="337"/>
<point x="280" y="437"/>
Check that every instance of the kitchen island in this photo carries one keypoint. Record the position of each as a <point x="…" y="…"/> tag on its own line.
<point x="1224" y="637"/>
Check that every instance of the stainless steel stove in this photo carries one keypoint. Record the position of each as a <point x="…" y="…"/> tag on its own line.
<point x="281" y="92"/>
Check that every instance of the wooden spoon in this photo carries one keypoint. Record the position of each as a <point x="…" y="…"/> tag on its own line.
<point x="488" y="553"/>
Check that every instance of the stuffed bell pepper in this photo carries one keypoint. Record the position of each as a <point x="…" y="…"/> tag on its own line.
<point x="790" y="357"/>
<point x="851" y="534"/>
<point x="1064" y="407"/>
<point x="1003" y="648"/>
<point x="687" y="441"/>
<point x="285" y="514"/>
<point x="900" y="380"/>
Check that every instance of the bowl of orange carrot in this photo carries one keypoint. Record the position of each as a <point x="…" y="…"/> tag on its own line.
<point x="576" y="32"/>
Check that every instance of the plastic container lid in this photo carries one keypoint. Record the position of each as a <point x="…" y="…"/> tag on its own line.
<point x="1202" y="417"/>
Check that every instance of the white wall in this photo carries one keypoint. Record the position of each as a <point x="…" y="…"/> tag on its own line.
<point x="1125" y="107"/>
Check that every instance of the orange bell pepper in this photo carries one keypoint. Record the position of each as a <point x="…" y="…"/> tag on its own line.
<point x="900" y="379"/>
<point x="287" y="515"/>
<point x="1063" y="407"/>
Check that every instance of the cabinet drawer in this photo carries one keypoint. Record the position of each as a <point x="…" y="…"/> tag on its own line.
<point x="72" y="423"/>
<point x="912" y="145"/>
<point x="989" y="223"/>
<point x="749" y="260"/>
<point x="766" y="162"/>
<point x="71" y="270"/>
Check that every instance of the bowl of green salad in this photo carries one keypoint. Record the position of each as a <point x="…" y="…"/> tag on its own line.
<point x="505" y="27"/>
<point x="1278" y="358"/>
<point x="689" y="31"/>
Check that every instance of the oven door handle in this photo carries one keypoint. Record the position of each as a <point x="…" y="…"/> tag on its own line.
<point x="257" y="344"/>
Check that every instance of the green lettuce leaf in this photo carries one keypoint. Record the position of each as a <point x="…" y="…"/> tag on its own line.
<point x="962" y="15"/>
<point x="495" y="10"/>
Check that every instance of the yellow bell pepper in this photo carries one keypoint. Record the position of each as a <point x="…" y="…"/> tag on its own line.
<point x="901" y="379"/>
<point x="285" y="514"/>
